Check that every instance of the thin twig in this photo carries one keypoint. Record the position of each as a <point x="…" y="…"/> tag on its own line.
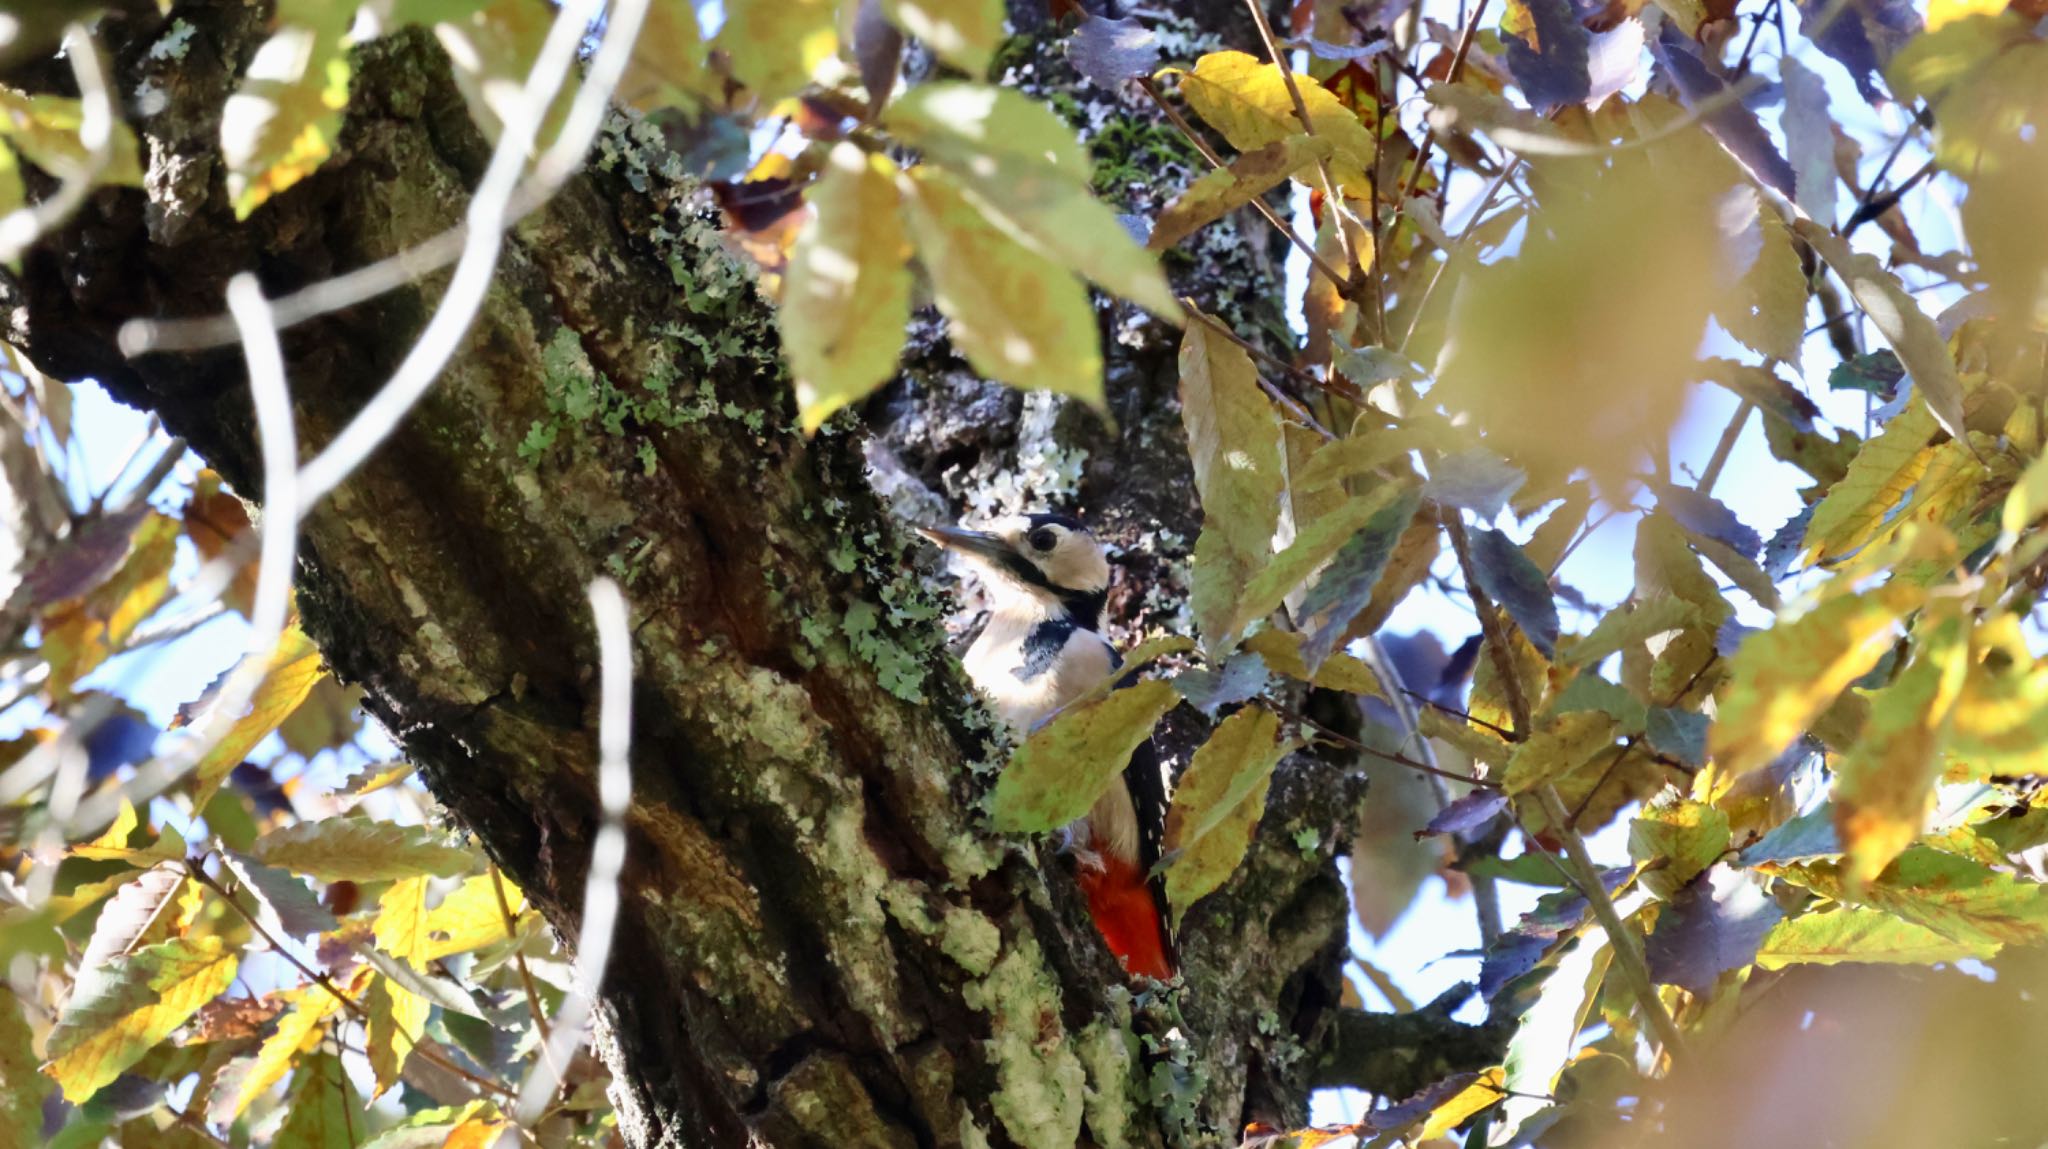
<point x="1726" y="444"/>
<point x="1489" y="624"/>
<point x="1350" y="743"/>
<point x="540" y="1021"/>
<point x="1173" y="116"/>
<point x="351" y="1005"/>
<point x="1294" y="406"/>
<point x="1331" y="199"/>
<point x="1507" y="171"/>
<point x="1627" y="954"/>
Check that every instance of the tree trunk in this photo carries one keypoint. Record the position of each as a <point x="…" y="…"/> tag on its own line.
<point x="819" y="942"/>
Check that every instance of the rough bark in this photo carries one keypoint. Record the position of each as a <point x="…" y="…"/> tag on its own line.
<point x="820" y="943"/>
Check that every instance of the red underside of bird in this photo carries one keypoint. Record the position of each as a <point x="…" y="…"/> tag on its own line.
<point x="1127" y="912"/>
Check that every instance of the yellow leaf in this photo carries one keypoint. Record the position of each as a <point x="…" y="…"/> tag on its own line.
<point x="1020" y="166"/>
<point x="964" y="33"/>
<point x="846" y="295"/>
<point x="668" y="58"/>
<point x="1249" y="103"/>
<point x="293" y="670"/>
<point x="1224" y="190"/>
<point x="282" y="122"/>
<point x="1282" y="651"/>
<point x="1567" y="743"/>
<point x="1454" y="1110"/>
<point x="1940" y="12"/>
<point x="298" y="1030"/>
<point x="1066" y="764"/>
<point x="44" y="131"/>
<point x="2001" y="721"/>
<point x="1217" y="803"/>
<point x="1767" y="310"/>
<point x="119" y="1010"/>
<point x="1783" y="678"/>
<point x="401" y="924"/>
<point x="775" y="47"/>
<point x="1884" y="785"/>
<point x="1017" y="317"/>
<point x="1881" y="474"/>
<point x="470" y="917"/>
<point x="81" y="634"/>
<point x="396" y="1018"/>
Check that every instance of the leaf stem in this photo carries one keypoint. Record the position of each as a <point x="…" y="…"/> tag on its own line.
<point x="1726" y="444"/>
<point x="1265" y="209"/>
<point x="540" y="1021"/>
<point x="1350" y="743"/>
<point x="1331" y="198"/>
<point x="1627" y="954"/>
<point x="1489" y="625"/>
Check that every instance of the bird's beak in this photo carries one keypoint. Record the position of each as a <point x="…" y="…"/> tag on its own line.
<point x="974" y="544"/>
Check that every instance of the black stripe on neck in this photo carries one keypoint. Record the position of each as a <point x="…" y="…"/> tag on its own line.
<point x="1083" y="607"/>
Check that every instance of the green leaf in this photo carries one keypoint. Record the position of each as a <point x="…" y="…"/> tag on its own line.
<point x="119" y="1010"/>
<point x="1783" y="678"/>
<point x="1768" y="309"/>
<point x="667" y="68"/>
<point x="44" y="131"/>
<point x="1708" y="927"/>
<point x="1018" y="317"/>
<point x="324" y="1113"/>
<point x="1021" y="167"/>
<point x="1249" y="103"/>
<point x="1281" y="650"/>
<point x="1066" y="764"/>
<point x="1234" y="443"/>
<point x="1897" y="316"/>
<point x="360" y="850"/>
<point x="1964" y="901"/>
<point x="1676" y="838"/>
<point x="1319" y="543"/>
<point x="1857" y="934"/>
<point x="1224" y="190"/>
<point x="1217" y="803"/>
<point x="1331" y="605"/>
<point x="1510" y="579"/>
<point x="963" y="33"/>
<point x="1546" y="1034"/>
<point x="774" y="48"/>
<point x="471" y="916"/>
<point x="846" y="295"/>
<point x="1884" y="785"/>
<point x="282" y="122"/>
<point x="22" y="1089"/>
<point x="1879" y="479"/>
<point x="1631" y="625"/>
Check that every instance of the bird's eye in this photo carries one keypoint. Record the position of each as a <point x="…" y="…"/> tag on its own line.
<point x="1043" y="539"/>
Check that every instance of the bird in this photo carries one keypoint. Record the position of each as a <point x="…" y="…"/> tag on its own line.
<point x="1046" y="578"/>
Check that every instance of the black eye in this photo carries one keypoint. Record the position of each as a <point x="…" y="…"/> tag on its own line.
<point x="1043" y="539"/>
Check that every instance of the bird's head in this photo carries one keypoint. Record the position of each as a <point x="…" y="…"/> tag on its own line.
<point x="1043" y="561"/>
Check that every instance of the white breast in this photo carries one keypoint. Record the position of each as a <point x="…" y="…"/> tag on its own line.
<point x="995" y="658"/>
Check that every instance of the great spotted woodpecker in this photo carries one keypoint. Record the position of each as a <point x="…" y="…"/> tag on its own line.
<point x="1046" y="579"/>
